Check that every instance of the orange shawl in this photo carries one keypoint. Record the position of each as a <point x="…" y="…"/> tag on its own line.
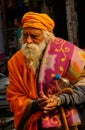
<point x="21" y="90"/>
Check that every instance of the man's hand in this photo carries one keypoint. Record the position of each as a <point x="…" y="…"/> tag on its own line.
<point x="52" y="104"/>
<point x="42" y="102"/>
<point x="47" y="104"/>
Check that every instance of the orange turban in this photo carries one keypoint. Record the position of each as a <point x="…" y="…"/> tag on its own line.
<point x="37" y="20"/>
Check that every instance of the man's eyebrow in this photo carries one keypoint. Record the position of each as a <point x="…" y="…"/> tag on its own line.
<point x="35" y="34"/>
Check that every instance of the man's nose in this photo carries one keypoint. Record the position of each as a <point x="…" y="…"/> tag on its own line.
<point x="29" y="40"/>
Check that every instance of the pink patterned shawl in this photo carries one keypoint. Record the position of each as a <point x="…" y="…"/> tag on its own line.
<point x="64" y="58"/>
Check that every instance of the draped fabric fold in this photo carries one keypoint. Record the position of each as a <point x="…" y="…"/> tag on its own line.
<point x="21" y="90"/>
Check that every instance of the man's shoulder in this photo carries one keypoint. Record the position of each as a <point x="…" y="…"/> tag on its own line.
<point x="62" y="42"/>
<point x="17" y="56"/>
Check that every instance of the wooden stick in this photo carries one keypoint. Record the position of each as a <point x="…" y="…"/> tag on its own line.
<point x="61" y="109"/>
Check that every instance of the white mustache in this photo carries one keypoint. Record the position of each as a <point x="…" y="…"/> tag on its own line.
<point x="31" y="47"/>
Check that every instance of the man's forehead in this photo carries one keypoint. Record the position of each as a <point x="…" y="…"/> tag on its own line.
<point x="32" y="30"/>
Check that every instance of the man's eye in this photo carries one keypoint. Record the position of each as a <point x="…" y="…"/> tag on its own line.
<point x="25" y="35"/>
<point x="34" y="36"/>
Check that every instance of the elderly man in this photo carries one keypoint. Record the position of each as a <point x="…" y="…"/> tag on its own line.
<point x="34" y="94"/>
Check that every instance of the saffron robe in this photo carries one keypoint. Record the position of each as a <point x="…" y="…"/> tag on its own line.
<point x="22" y="89"/>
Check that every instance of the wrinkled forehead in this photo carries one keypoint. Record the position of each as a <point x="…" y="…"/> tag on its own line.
<point x="32" y="30"/>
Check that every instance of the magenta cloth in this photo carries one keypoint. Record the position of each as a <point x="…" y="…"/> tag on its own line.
<point x="56" y="60"/>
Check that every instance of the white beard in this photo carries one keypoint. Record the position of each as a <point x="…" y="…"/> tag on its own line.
<point x="33" y="53"/>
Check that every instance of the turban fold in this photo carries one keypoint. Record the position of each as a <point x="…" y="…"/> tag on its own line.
<point x="37" y="20"/>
